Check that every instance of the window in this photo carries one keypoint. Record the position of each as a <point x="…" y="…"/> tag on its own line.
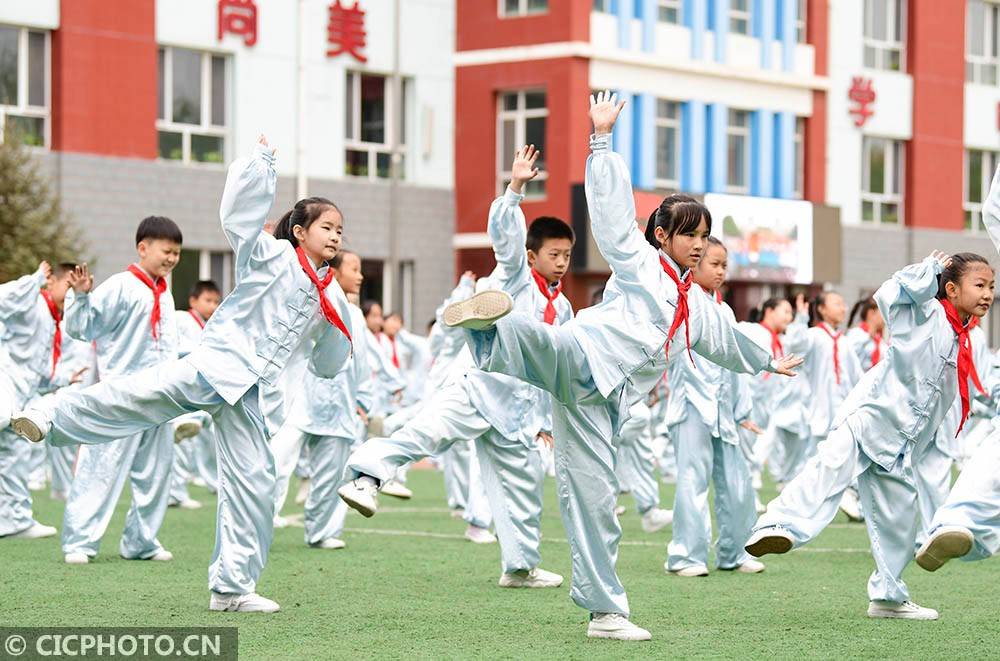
<point x="800" y="21"/>
<point x="738" y="155"/>
<point x="979" y="168"/>
<point x="669" y="11"/>
<point x="668" y="144"/>
<point x="24" y="84"/>
<point x="800" y="157"/>
<point x="512" y="8"/>
<point x="739" y="16"/>
<point x="192" y="113"/>
<point x="881" y="181"/>
<point x="884" y="30"/>
<point x="981" y="34"/>
<point x="372" y="116"/>
<point x="521" y="118"/>
<point x="196" y="265"/>
<point x="602" y="6"/>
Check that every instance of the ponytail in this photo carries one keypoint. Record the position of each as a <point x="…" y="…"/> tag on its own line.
<point x="305" y="212"/>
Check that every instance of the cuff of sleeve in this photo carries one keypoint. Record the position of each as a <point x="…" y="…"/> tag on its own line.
<point x="600" y="142"/>
<point x="266" y="154"/>
<point x="936" y="265"/>
<point x="772" y="367"/>
<point x="39" y="278"/>
<point x="802" y="318"/>
<point x="511" y="198"/>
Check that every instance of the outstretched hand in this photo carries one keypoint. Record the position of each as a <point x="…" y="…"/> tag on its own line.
<point x="752" y="426"/>
<point x="81" y="280"/>
<point x="45" y="269"/>
<point x="786" y="364"/>
<point x="604" y="109"/>
<point x="262" y="140"/>
<point x="801" y="305"/>
<point x="941" y="258"/>
<point x="523" y="169"/>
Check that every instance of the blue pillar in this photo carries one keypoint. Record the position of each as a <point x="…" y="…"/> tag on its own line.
<point x="762" y="152"/>
<point x="764" y="24"/>
<point x="787" y="14"/>
<point x="720" y="25"/>
<point x="644" y="140"/>
<point x="718" y="119"/>
<point x="623" y="137"/>
<point x="695" y="15"/>
<point x="784" y="155"/>
<point x="649" y="17"/>
<point x="693" y="147"/>
<point x="626" y="12"/>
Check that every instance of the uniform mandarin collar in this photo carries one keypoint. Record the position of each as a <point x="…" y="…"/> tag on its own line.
<point x="676" y="267"/>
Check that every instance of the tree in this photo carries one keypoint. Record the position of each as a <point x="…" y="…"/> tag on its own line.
<point x="33" y="225"/>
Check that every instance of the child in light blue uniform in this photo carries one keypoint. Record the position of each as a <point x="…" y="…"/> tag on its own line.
<point x="130" y="318"/>
<point x="501" y="414"/>
<point x="608" y="357"/>
<point x="888" y="417"/>
<point x="29" y="337"/>
<point x="77" y="366"/>
<point x="284" y="316"/>
<point x="707" y="404"/>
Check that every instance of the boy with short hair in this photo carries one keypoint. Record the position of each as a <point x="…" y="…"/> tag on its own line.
<point x="130" y="318"/>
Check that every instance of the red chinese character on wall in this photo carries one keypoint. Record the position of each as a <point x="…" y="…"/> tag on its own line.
<point x="238" y="17"/>
<point x="863" y="95"/>
<point x="346" y="31"/>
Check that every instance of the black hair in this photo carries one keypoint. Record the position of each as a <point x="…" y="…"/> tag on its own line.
<point x="367" y="306"/>
<point x="677" y="214"/>
<point x="960" y="263"/>
<point x="158" y="227"/>
<point x="712" y="241"/>
<point x="62" y="268"/>
<point x="203" y="286"/>
<point x="430" y="325"/>
<point x="861" y="310"/>
<point x="598" y="296"/>
<point x="338" y="259"/>
<point x="305" y="212"/>
<point x="394" y="314"/>
<point x="547" y="227"/>
<point x="756" y="315"/>
<point x="815" y="317"/>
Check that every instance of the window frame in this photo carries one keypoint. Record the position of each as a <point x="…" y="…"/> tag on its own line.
<point x="520" y="115"/>
<point x="976" y="64"/>
<point x="523" y="9"/>
<point x="894" y="160"/>
<point x="666" y="122"/>
<point x="736" y="131"/>
<point x="802" y="22"/>
<point x="665" y="5"/>
<point x="799" y="160"/>
<point x="972" y="210"/>
<point x="23" y="108"/>
<point x="895" y="12"/>
<point x="395" y="123"/>
<point x="205" y="127"/>
<point x="741" y="15"/>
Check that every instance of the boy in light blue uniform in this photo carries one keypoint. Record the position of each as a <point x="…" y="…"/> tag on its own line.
<point x="130" y="317"/>
<point x="502" y="414"/>
<point x="283" y="316"/>
<point x="29" y="338"/>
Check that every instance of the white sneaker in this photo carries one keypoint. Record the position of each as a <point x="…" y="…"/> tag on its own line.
<point x="243" y="603"/>
<point x="281" y="522"/>
<point x="904" y="611"/>
<point x="750" y="567"/>
<point x="163" y="555"/>
<point x="769" y="540"/>
<point x="694" y="571"/>
<point x="535" y="578"/>
<point x="30" y="424"/>
<point x="944" y="544"/>
<point x="186" y="430"/>
<point x="759" y="505"/>
<point x="478" y="535"/>
<point x="396" y="490"/>
<point x="756" y="481"/>
<point x="616" y="627"/>
<point x="458" y="513"/>
<point x="330" y="543"/>
<point x="58" y="495"/>
<point x="479" y="312"/>
<point x="656" y="519"/>
<point x="188" y="504"/>
<point x="360" y="495"/>
<point x="303" y="493"/>
<point x="36" y="485"/>
<point x="850" y="505"/>
<point x="198" y="482"/>
<point x="34" y="531"/>
<point x="619" y="510"/>
<point x="76" y="558"/>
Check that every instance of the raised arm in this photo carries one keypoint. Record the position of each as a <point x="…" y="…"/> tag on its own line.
<point x="93" y="314"/>
<point x="507" y="228"/>
<point x="797" y="339"/>
<point x="913" y="285"/>
<point x="991" y="210"/>
<point x="21" y="295"/>
<point x="247" y="199"/>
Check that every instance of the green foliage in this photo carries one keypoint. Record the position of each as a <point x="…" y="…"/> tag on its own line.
<point x="33" y="225"/>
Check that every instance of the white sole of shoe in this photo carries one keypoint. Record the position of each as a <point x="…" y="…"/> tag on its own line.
<point x="346" y="494"/>
<point x="769" y="544"/>
<point x="25" y="428"/>
<point x="944" y="546"/>
<point x="618" y="635"/>
<point x="880" y="614"/>
<point x="480" y="311"/>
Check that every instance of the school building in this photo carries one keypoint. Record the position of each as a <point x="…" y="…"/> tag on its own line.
<point x="834" y="140"/>
<point x="135" y="107"/>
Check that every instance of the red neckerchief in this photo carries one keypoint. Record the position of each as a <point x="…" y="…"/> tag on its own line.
<point x="550" y="296"/>
<point x="197" y="318"/>
<point x="966" y="364"/>
<point x="836" y="348"/>
<point x="392" y="343"/>
<point x="877" y="351"/>
<point x="682" y="312"/>
<point x="57" y="338"/>
<point x="157" y="287"/>
<point x="325" y="306"/>
<point x="777" y="350"/>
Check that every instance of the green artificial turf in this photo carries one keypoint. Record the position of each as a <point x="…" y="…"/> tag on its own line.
<point x="408" y="586"/>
